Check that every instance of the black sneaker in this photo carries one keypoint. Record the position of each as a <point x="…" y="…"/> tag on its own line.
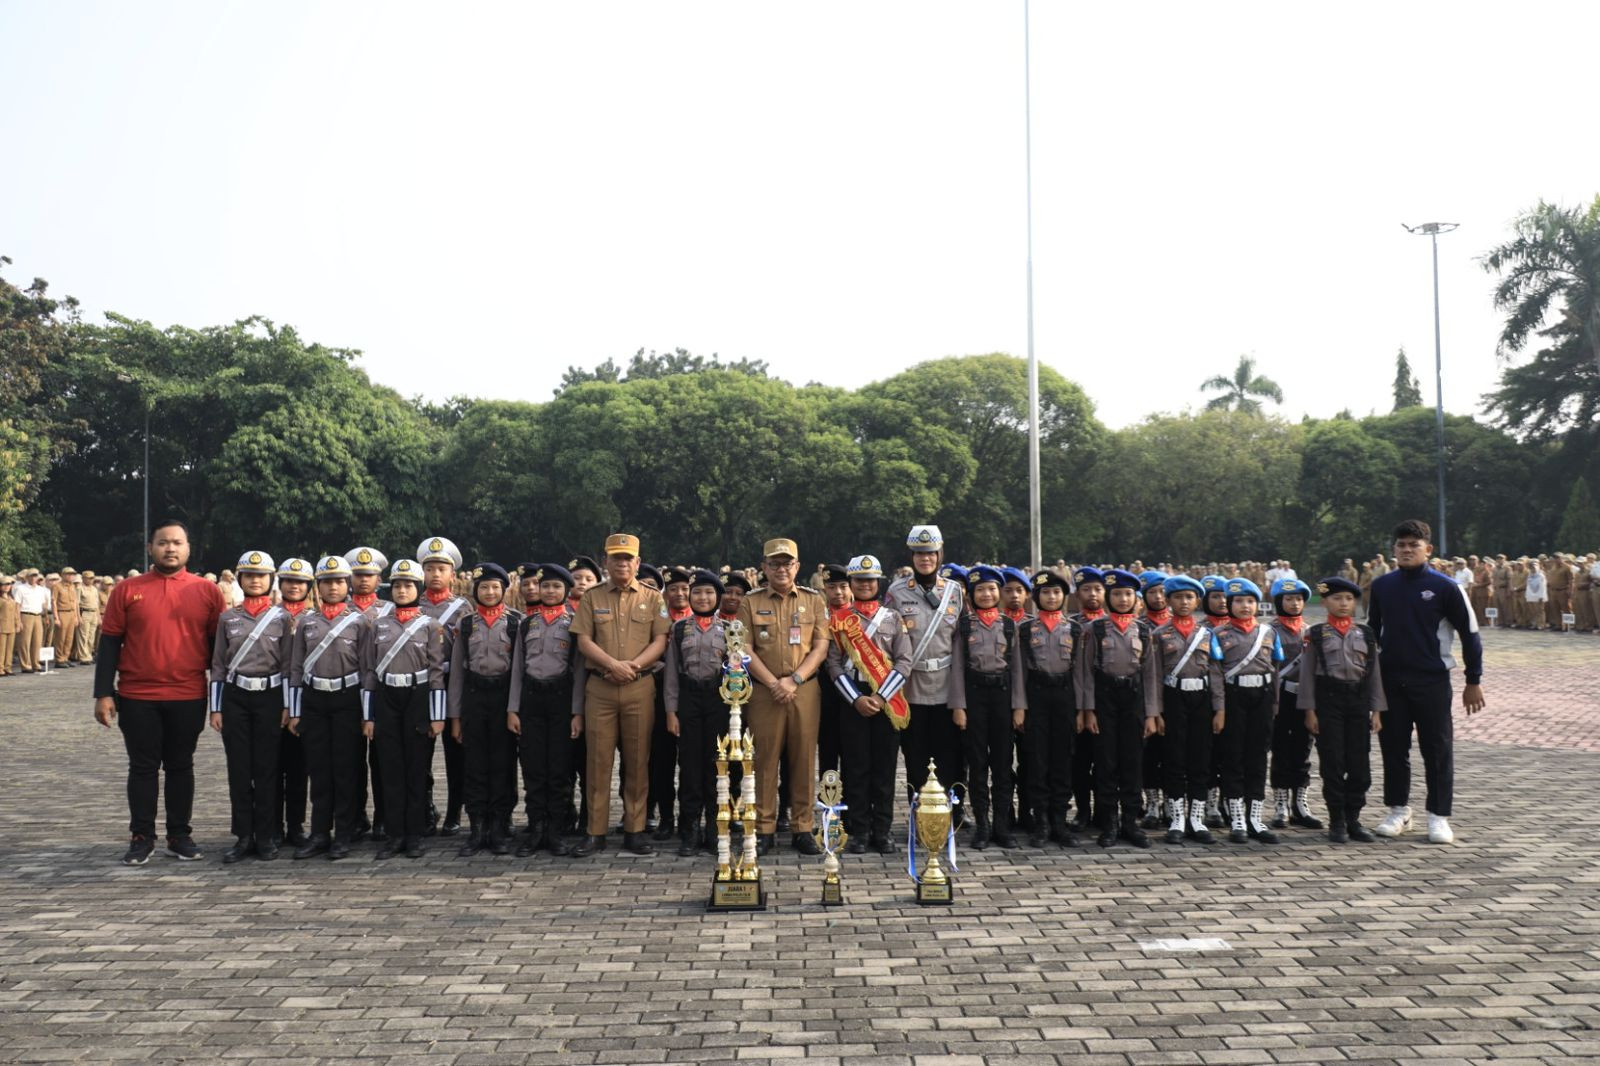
<point x="139" y="849"/>
<point x="183" y="849"/>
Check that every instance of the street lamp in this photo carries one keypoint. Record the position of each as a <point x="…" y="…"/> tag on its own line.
<point x="144" y="475"/>
<point x="1432" y="230"/>
<point x="1035" y="504"/>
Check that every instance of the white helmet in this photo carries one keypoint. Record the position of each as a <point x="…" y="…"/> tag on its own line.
<point x="439" y="550"/>
<point x="365" y="560"/>
<point x="255" y="562"/>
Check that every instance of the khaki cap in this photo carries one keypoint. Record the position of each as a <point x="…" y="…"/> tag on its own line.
<point x="780" y="546"/>
<point x="622" y="544"/>
<point x="65" y="570"/>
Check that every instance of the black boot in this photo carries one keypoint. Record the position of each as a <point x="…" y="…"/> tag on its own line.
<point x="474" y="842"/>
<point x="316" y="845"/>
<point x="497" y="839"/>
<point x="1134" y="833"/>
<point x="241" y="848"/>
<point x="666" y="830"/>
<point x="534" y="840"/>
<point x="1062" y="834"/>
<point x="1002" y="829"/>
<point x="806" y="844"/>
<point x="636" y="844"/>
<point x="981" y="832"/>
<point x="688" y="844"/>
<point x="1108" y="833"/>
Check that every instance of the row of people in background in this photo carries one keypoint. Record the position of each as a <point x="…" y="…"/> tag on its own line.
<point x="57" y="611"/>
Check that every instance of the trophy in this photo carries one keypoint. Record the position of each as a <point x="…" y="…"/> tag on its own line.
<point x="737" y="884"/>
<point x="830" y="835"/>
<point x="930" y="825"/>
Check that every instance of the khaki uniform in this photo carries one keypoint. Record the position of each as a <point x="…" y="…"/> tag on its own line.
<point x="1582" y="598"/>
<point x="1558" y="578"/>
<point x="1519" y="600"/>
<point x="83" y="646"/>
<point x="10" y="624"/>
<point x="64" y="597"/>
<point x="1502" y="594"/>
<point x="1482" y="587"/>
<point x="623" y="621"/>
<point x="782" y="629"/>
<point x="30" y="635"/>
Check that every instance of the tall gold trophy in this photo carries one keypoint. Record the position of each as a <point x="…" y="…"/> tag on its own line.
<point x="931" y="820"/>
<point x="830" y="835"/>
<point x="737" y="885"/>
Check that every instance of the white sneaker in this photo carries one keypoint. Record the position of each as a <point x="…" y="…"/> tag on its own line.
<point x="1439" y="831"/>
<point x="1397" y="821"/>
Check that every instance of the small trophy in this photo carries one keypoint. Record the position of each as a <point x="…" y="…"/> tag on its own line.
<point x="830" y="836"/>
<point x="930" y="821"/>
<point x="737" y="885"/>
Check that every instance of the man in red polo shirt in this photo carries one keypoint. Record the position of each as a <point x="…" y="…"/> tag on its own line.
<point x="155" y="645"/>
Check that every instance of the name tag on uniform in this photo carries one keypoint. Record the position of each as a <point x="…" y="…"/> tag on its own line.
<point x="794" y="634"/>
<point x="767" y="614"/>
<point x="602" y="610"/>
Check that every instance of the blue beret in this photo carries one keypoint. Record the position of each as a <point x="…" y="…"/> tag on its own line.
<point x="1214" y="583"/>
<point x="1090" y="575"/>
<point x="1286" y="585"/>
<point x="1121" y="579"/>
<point x="490" y="572"/>
<point x="547" y="572"/>
<point x="1013" y="573"/>
<point x="648" y="571"/>
<point x="1183" y="583"/>
<point x="1329" y="585"/>
<point x="1149" y="579"/>
<point x="708" y="579"/>
<point x="953" y="572"/>
<point x="1239" y="586"/>
<point x="979" y="574"/>
<point x="1049" y="579"/>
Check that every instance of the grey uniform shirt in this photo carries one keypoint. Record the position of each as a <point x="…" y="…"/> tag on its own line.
<point x="486" y="652"/>
<point x="1351" y="658"/>
<point x="1292" y="644"/>
<point x="342" y="659"/>
<point x="1049" y="651"/>
<point x="266" y="657"/>
<point x="984" y="650"/>
<point x="422" y="651"/>
<point x="885" y="630"/>
<point x="693" y="653"/>
<point x="919" y="612"/>
<point x="1170" y="645"/>
<point x="450" y="612"/>
<point x="1230" y="647"/>
<point x="545" y="652"/>
<point x="1103" y="648"/>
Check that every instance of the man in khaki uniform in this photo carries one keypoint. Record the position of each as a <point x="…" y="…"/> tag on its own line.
<point x="786" y="628"/>
<point x="1519" y="594"/>
<point x="1482" y="593"/>
<point x="65" y="602"/>
<point x="621" y="628"/>
<point x="1582" y="587"/>
<point x="83" y="645"/>
<point x="34" y="601"/>
<point x="1558" y="580"/>
<point x="1500" y="596"/>
<point x="1592" y="564"/>
<point x="10" y="622"/>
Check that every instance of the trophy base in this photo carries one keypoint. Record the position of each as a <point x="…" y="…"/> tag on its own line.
<point x="737" y="896"/>
<point x="832" y="894"/>
<point x="941" y="893"/>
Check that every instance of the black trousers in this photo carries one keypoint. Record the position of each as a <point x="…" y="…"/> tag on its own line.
<point x="1083" y="779"/>
<point x="545" y="752"/>
<point x="1291" y="745"/>
<point x="251" y="723"/>
<point x="455" y="774"/>
<point x="402" y="740"/>
<point x="1118" y="751"/>
<point x="1051" y="729"/>
<point x="702" y="718"/>
<point x="292" y="781"/>
<point x="160" y="735"/>
<point x="1344" y="749"/>
<point x="1154" y="760"/>
<point x="371" y="769"/>
<point x="1242" y="745"/>
<point x="829" y="726"/>
<point x="1423" y="705"/>
<point x="486" y="749"/>
<point x="663" y="761"/>
<point x="330" y="728"/>
<point x="931" y="735"/>
<point x="1186" y="755"/>
<point x="867" y="748"/>
<point x="987" y="744"/>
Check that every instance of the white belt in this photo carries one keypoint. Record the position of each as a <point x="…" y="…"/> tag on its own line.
<point x="405" y="680"/>
<point x="1250" y="681"/>
<point x="1187" y="684"/>
<point x="928" y="666"/>
<point x="1291" y="687"/>
<point x="258" y="684"/>
<point x="334" y="684"/>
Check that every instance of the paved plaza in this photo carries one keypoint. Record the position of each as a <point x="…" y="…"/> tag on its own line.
<point x="1487" y="951"/>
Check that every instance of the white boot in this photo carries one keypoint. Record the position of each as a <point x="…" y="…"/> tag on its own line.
<point x="1439" y="831"/>
<point x="1197" y="822"/>
<point x="1238" y="833"/>
<point x="1397" y="821"/>
<point x="1213" y="807"/>
<point x="1258" y="828"/>
<point x="1175" y="813"/>
<point x="1152" y="808"/>
<point x="1300" y="812"/>
<point x="1280" y="810"/>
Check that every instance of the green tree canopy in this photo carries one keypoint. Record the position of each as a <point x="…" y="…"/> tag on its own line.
<point x="1407" y="390"/>
<point x="1239" y="391"/>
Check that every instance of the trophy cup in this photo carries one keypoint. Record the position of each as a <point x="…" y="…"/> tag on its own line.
<point x="830" y="835"/>
<point x="930" y="822"/>
<point x="737" y="885"/>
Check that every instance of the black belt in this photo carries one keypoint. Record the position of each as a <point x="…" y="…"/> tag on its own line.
<point x="1046" y="680"/>
<point x="480" y="683"/>
<point x="693" y="685"/>
<point x="1352" y="688"/>
<point x="1131" y="681"/>
<point x="975" y="679"/>
<point x="546" y="684"/>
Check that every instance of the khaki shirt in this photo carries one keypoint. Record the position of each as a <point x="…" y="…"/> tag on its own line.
<point x="10" y="618"/>
<point x="64" y="598"/>
<point x="88" y="600"/>
<point x="623" y="621"/>
<point x="782" y="629"/>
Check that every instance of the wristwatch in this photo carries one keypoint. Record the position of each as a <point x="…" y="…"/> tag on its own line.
<point x="796" y="678"/>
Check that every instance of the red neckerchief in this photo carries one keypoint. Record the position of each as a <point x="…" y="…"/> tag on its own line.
<point x="1159" y="618"/>
<point x="406" y="614"/>
<point x="1292" y="622"/>
<point x="868" y="607"/>
<point x="678" y="616"/>
<point x="552" y="615"/>
<point x="704" y="621"/>
<point x="726" y="617"/>
<point x="491" y="615"/>
<point x="437" y="596"/>
<point x="363" y="600"/>
<point x="254" y="605"/>
<point x="574" y="600"/>
<point x="1090" y="616"/>
<point x="1243" y="625"/>
<point x="1341" y="625"/>
<point x="295" y="607"/>
<point x="988" y="615"/>
<point x="1122" y="621"/>
<point x="330" y="611"/>
<point x="1018" y="615"/>
<point x="1049" y="619"/>
<point x="1217" y="620"/>
<point x="1184" y="624"/>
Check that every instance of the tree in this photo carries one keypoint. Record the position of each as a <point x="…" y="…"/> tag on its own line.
<point x="1407" y="390"/>
<point x="1237" y="391"/>
<point x="1345" y="493"/>
<point x="1580" y="526"/>
<point x="656" y="365"/>
<point x="1549" y="272"/>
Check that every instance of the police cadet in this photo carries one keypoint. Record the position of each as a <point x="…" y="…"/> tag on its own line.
<point x="1341" y="692"/>
<point x="1117" y="686"/>
<point x="1049" y="644"/>
<point x="1014" y="592"/>
<point x="986" y="704"/>
<point x="868" y="741"/>
<point x="1291" y="744"/>
<point x="294" y="589"/>
<point x="586" y="574"/>
<point x="366" y="570"/>
<point x="621" y="629"/>
<point x="786" y="626"/>
<point x="325" y="708"/>
<point x="663" y="744"/>
<point x="1091" y="596"/>
<point x="1248" y="652"/>
<point x="1215" y="605"/>
<point x="480" y="691"/>
<point x="1190" y="684"/>
<point x="929" y="607"/>
<point x="248" y="706"/>
<point x="1153" y="598"/>
<point x="440" y="560"/>
<point x="696" y="715"/>
<point x="543" y="702"/>
<point x="403" y="708"/>
<point x="1016" y="605"/>
<point x="735" y="587"/>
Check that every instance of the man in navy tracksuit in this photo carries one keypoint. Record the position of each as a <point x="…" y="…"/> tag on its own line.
<point x="1414" y="611"/>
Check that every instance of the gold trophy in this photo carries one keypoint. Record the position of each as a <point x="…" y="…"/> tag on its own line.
<point x="830" y="835"/>
<point x="737" y="885"/>
<point x="931" y="821"/>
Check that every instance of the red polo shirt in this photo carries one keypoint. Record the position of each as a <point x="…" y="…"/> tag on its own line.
<point x="167" y="625"/>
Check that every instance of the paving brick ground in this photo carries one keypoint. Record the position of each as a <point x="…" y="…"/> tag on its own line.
<point x="1488" y="951"/>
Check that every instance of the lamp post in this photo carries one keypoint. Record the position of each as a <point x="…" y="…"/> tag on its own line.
<point x="144" y="475"/>
<point x="1432" y="230"/>
<point x="1035" y="506"/>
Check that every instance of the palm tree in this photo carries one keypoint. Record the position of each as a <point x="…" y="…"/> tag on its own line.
<point x="1237" y="390"/>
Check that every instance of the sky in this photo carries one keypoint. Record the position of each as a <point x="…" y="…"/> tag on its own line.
<point x="480" y="195"/>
